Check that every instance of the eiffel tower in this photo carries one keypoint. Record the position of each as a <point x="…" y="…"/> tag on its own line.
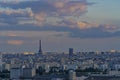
<point x="40" y="48"/>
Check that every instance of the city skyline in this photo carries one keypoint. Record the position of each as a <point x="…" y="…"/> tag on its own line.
<point x="85" y="25"/>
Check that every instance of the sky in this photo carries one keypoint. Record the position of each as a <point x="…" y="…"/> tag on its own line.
<point x="85" y="25"/>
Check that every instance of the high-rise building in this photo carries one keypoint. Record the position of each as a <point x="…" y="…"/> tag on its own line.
<point x="70" y="51"/>
<point x="15" y="73"/>
<point x="72" y="75"/>
<point x="24" y="73"/>
<point x="1" y="63"/>
<point x="40" y="47"/>
<point x="28" y="72"/>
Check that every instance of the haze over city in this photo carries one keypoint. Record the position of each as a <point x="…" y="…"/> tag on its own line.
<point x="85" y="25"/>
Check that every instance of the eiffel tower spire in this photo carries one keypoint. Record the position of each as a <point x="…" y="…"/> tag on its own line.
<point x="40" y="48"/>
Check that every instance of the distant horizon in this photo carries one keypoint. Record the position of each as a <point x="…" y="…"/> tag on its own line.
<point x="61" y="51"/>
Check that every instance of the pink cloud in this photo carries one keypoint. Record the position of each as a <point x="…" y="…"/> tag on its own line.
<point x="15" y="42"/>
<point x="12" y="35"/>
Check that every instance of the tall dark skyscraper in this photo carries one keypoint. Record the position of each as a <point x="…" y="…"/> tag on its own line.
<point x="70" y="51"/>
<point x="40" y="47"/>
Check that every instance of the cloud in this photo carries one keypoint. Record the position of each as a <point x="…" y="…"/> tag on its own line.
<point x="14" y="1"/>
<point x="10" y="16"/>
<point x="74" y="8"/>
<point x="91" y="33"/>
<point x="40" y="10"/>
<point x="12" y="35"/>
<point x="40" y="18"/>
<point x="15" y="42"/>
<point x="35" y="16"/>
<point x="99" y="31"/>
<point x="10" y="11"/>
